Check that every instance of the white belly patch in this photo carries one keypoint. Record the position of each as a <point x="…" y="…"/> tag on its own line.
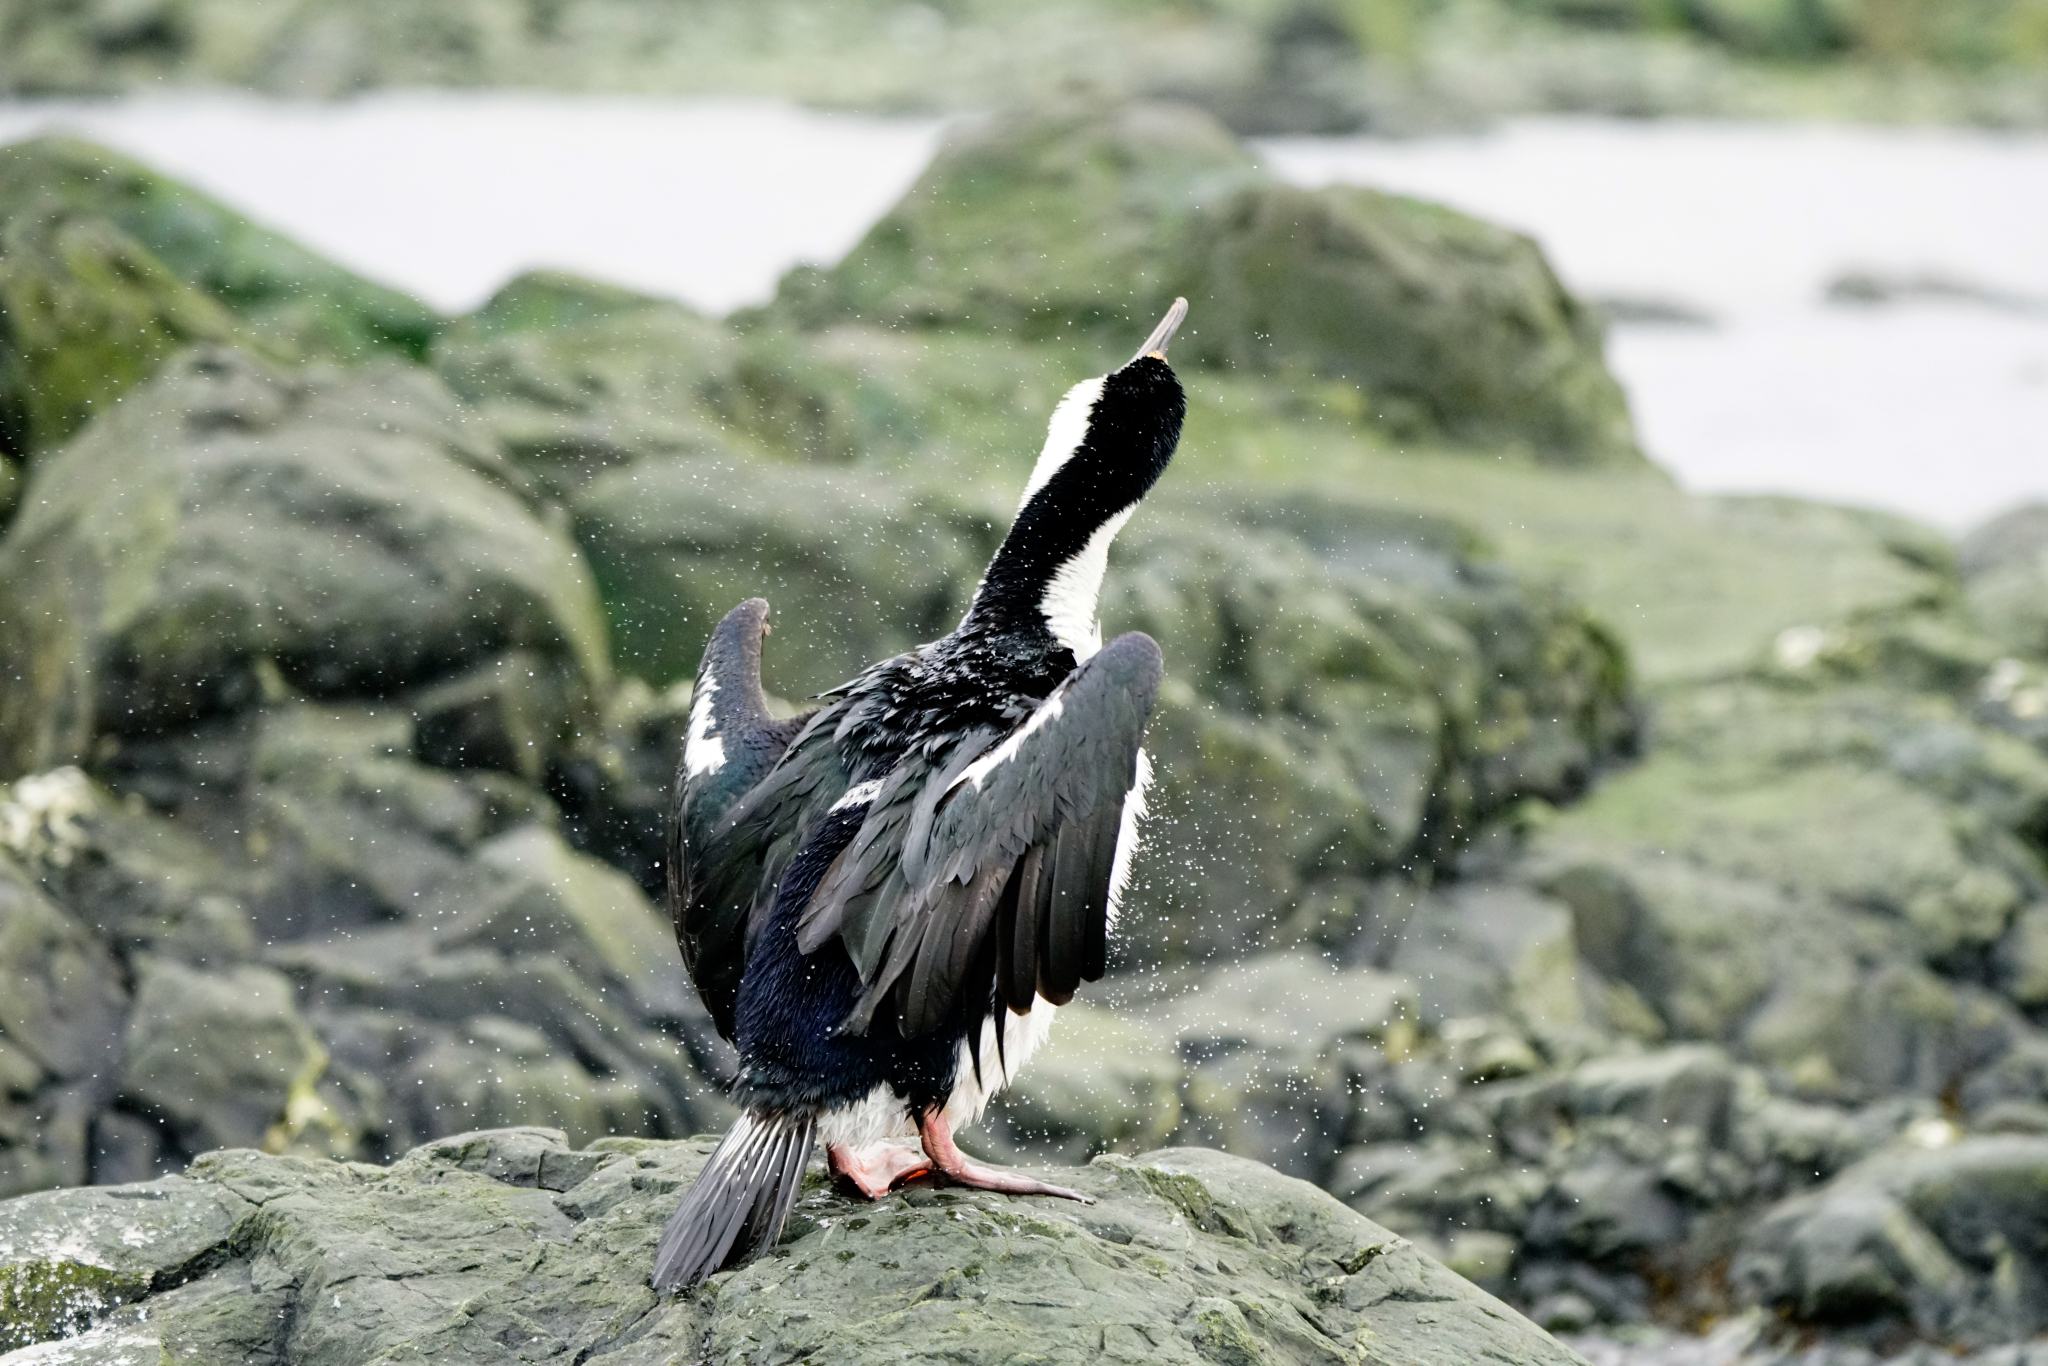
<point x="882" y="1116"/>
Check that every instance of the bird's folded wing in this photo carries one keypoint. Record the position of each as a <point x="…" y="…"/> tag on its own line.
<point x="743" y="784"/>
<point x="986" y="873"/>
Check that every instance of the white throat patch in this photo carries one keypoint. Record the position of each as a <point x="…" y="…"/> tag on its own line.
<point x="1064" y="434"/>
<point x="1070" y="598"/>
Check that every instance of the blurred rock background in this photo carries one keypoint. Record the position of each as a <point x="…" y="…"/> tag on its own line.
<point x="1263" y="66"/>
<point x="1638" y="899"/>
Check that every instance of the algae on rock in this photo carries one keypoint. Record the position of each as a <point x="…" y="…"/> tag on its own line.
<point x="107" y="268"/>
<point x="89" y="313"/>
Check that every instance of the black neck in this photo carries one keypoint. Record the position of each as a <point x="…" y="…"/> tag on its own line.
<point x="1131" y="434"/>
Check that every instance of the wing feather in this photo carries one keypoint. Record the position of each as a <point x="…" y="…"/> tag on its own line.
<point x="1027" y="917"/>
<point x="1042" y="808"/>
<point x="1059" y="970"/>
<point x="736" y="800"/>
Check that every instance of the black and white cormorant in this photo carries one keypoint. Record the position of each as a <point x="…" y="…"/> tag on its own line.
<point x="883" y="902"/>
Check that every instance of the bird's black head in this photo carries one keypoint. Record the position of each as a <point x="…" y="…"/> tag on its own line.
<point x="1108" y="443"/>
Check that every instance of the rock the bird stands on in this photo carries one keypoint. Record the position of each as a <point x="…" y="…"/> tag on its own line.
<point x="883" y="902"/>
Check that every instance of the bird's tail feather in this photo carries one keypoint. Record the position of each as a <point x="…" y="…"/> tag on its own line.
<point x="736" y="1207"/>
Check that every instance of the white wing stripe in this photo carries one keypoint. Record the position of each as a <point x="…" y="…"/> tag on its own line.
<point x="1007" y="750"/>
<point x="1128" y="836"/>
<point x="703" y="752"/>
<point x="860" y="794"/>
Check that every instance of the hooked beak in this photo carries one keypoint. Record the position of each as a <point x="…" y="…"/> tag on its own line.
<point x="1155" y="345"/>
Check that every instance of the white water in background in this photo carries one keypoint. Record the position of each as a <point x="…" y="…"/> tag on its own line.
<point x="1939" y="410"/>
<point x="1935" y="409"/>
<point x="447" y="195"/>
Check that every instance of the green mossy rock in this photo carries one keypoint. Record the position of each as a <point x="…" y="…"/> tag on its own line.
<point x="509" y="1247"/>
<point x="1795" y="871"/>
<point x="869" y="566"/>
<point x="88" y="313"/>
<point x="572" y="381"/>
<point x="545" y="300"/>
<point x="1082" y="224"/>
<point x="231" y="523"/>
<point x="107" y="268"/>
<point x="575" y="378"/>
<point x="1352" y="689"/>
<point x="68" y="1259"/>
<point x="273" y="282"/>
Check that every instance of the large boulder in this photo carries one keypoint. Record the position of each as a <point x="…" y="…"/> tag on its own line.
<point x="511" y="1247"/>
<point x="1082" y="222"/>
<point x="1811" y="874"/>
<point x="220" y="1055"/>
<point x="331" y="949"/>
<point x="89" y="313"/>
<point x="858" y="567"/>
<point x="1947" y="1240"/>
<point x="1354" y="690"/>
<point x="575" y="378"/>
<point x="326" y="533"/>
<point x="106" y="268"/>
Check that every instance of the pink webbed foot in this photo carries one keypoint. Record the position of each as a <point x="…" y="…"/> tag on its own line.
<point x="877" y="1168"/>
<point x="962" y="1170"/>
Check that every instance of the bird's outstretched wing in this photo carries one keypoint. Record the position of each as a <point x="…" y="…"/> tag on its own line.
<point x="727" y="839"/>
<point x="990" y="871"/>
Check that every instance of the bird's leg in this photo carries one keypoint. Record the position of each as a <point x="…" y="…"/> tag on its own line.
<point x="877" y="1168"/>
<point x="937" y="1136"/>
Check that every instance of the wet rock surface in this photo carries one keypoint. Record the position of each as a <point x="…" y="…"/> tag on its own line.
<point x="510" y="1246"/>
